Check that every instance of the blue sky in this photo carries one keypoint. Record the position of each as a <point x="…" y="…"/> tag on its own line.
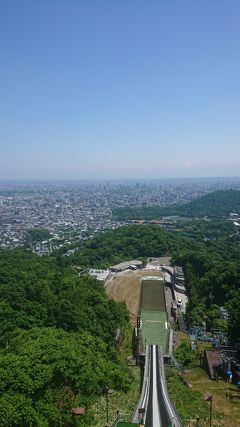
<point x="119" y="88"/>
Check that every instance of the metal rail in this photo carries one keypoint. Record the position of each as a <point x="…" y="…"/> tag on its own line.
<point x="143" y="400"/>
<point x="155" y="407"/>
<point x="173" y="415"/>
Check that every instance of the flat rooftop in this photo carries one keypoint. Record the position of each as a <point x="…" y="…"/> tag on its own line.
<point x="126" y="264"/>
<point x="100" y="275"/>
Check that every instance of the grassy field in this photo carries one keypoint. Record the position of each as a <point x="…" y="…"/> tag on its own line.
<point x="226" y="413"/>
<point x="229" y="410"/>
<point x="153" y="313"/>
<point x="152" y="295"/>
<point x="189" y="403"/>
<point x="153" y="327"/>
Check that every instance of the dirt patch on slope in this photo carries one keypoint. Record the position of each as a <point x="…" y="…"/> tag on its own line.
<point x="126" y="287"/>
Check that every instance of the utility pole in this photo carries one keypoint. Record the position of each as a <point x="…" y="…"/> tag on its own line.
<point x="210" y="400"/>
<point x="108" y="392"/>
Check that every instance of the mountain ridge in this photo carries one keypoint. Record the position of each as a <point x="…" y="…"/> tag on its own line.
<point x="216" y="204"/>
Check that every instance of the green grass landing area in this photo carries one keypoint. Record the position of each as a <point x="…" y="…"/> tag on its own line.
<point x="154" y="327"/>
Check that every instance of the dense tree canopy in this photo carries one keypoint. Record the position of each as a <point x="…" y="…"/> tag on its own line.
<point x="58" y="335"/>
<point x="45" y="292"/>
<point x="212" y="271"/>
<point x="217" y="204"/>
<point x="50" y="370"/>
<point x="127" y="242"/>
<point x="37" y="235"/>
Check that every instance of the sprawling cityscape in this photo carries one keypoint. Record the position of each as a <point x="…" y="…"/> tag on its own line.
<point x="76" y="211"/>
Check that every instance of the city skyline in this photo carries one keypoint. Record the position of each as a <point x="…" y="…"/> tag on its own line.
<point x="126" y="90"/>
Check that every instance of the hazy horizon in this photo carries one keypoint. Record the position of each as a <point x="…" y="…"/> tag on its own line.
<point x="119" y="90"/>
<point x="235" y="179"/>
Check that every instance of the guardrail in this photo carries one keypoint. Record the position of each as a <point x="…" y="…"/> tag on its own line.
<point x="170" y="342"/>
<point x="174" y="418"/>
<point x="143" y="400"/>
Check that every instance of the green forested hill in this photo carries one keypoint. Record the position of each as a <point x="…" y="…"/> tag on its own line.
<point x="217" y="204"/>
<point x="212" y="272"/>
<point x="57" y="340"/>
<point x="127" y="242"/>
<point x="47" y="292"/>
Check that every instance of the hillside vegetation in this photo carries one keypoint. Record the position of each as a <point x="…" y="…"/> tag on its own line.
<point x="58" y="330"/>
<point x="217" y="204"/>
<point x="212" y="272"/>
<point x="125" y="243"/>
<point x="58" y="347"/>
